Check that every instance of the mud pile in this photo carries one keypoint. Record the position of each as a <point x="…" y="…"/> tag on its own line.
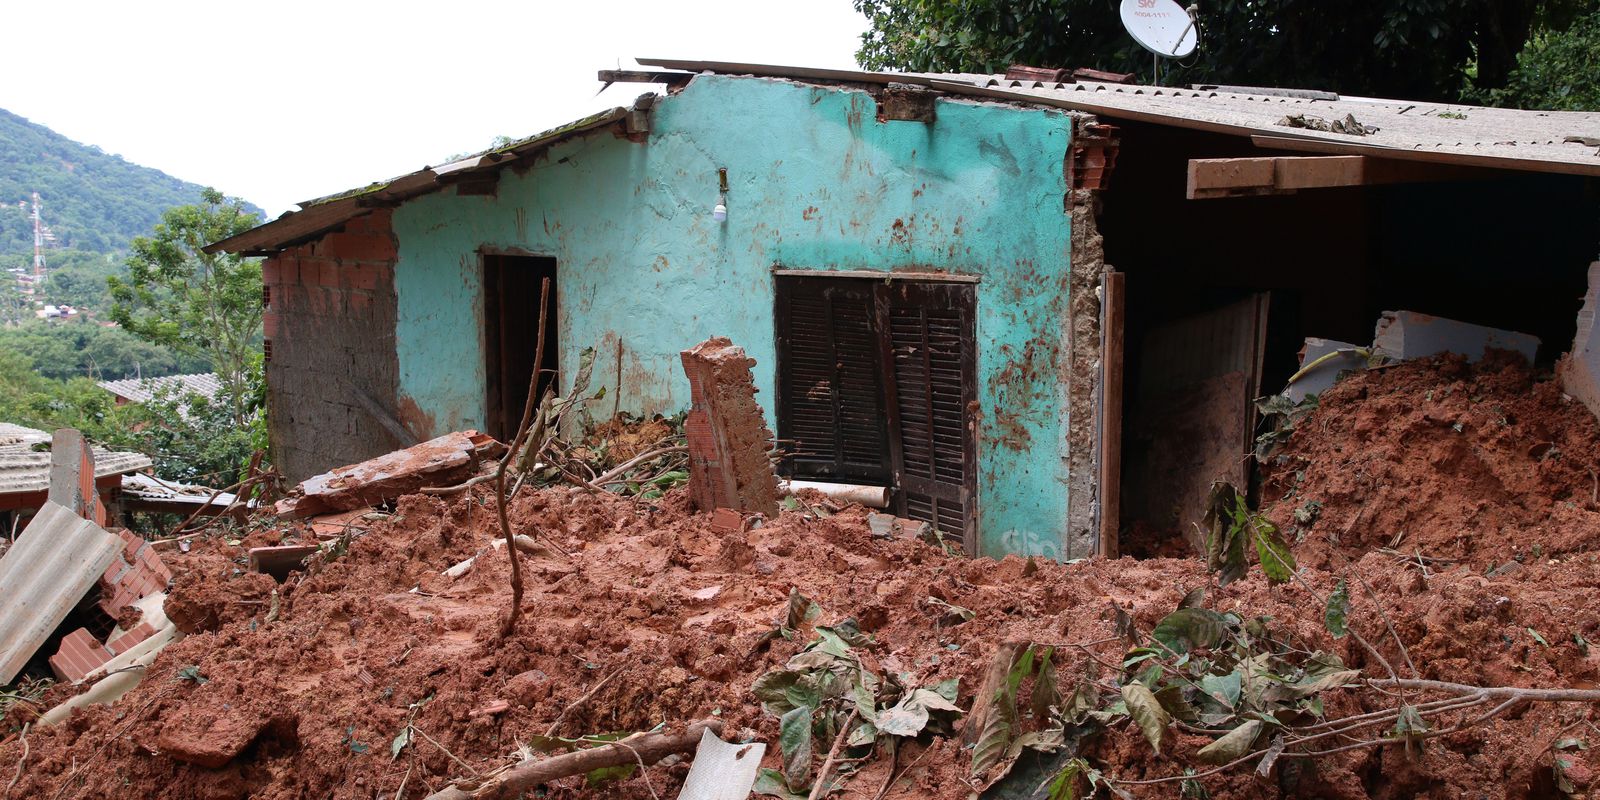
<point x="639" y="614"/>
<point x="1444" y="462"/>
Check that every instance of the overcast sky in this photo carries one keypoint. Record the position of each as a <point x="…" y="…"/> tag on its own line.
<point x="285" y="101"/>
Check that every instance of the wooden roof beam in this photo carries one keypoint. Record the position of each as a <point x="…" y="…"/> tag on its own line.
<point x="1269" y="175"/>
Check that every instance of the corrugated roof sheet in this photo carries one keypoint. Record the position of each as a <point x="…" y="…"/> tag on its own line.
<point x="1487" y="137"/>
<point x="45" y="573"/>
<point x="24" y="470"/>
<point x="140" y="390"/>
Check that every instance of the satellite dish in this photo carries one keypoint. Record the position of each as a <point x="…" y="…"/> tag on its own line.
<point x="1161" y="26"/>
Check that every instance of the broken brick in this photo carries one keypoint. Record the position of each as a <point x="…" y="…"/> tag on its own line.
<point x="128" y="640"/>
<point x="80" y="653"/>
<point x="729" y="444"/>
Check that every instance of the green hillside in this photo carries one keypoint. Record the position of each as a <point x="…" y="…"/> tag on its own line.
<point x="93" y="201"/>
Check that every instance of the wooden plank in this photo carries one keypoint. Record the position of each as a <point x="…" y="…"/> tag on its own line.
<point x="1112" y="333"/>
<point x="1475" y="159"/>
<point x="52" y="565"/>
<point x="1243" y="177"/>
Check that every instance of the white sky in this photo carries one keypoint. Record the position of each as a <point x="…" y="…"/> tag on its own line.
<point x="279" y="102"/>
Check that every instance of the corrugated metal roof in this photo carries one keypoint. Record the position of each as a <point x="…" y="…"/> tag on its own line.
<point x="24" y="470"/>
<point x="1487" y="137"/>
<point x="45" y="573"/>
<point x="140" y="390"/>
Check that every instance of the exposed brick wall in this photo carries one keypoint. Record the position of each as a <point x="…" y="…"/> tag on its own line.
<point x="330" y="322"/>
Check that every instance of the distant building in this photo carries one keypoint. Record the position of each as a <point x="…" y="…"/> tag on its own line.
<point x="142" y="390"/>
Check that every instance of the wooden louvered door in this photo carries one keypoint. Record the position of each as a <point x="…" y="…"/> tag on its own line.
<point x="927" y="340"/>
<point x="874" y="381"/>
<point x="830" y="386"/>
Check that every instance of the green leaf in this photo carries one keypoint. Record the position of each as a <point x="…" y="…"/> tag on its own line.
<point x="1337" y="614"/>
<point x="909" y="716"/>
<point x="770" y="782"/>
<point x="794" y="739"/>
<point x="994" y="735"/>
<point x="1233" y="745"/>
<point x="1225" y="554"/>
<point x="621" y="772"/>
<point x="864" y="734"/>
<point x="1276" y="560"/>
<point x="1192" y="628"/>
<point x="1409" y="726"/>
<point x="1146" y="712"/>
<point x="948" y="689"/>
<point x="1045" y="693"/>
<point x="399" y="743"/>
<point x="1223" y="689"/>
<point x="1064" y="786"/>
<point x="1537" y="637"/>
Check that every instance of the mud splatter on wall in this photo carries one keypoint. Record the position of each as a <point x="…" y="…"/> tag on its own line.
<point x="814" y="183"/>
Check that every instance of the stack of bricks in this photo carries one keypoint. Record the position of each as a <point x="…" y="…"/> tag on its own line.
<point x="137" y="572"/>
<point x="730" y="463"/>
<point x="81" y="653"/>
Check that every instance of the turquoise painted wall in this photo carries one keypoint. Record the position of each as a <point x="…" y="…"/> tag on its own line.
<point x="815" y="183"/>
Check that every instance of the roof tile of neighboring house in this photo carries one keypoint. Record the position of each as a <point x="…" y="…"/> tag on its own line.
<point x="25" y="470"/>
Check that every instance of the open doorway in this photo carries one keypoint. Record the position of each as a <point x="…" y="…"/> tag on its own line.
<point x="1218" y="306"/>
<point x="511" y="287"/>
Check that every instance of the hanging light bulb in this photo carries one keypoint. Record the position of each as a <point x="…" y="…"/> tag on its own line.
<point x="719" y="212"/>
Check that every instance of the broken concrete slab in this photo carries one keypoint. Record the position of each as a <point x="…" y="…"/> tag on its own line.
<point x="1405" y="335"/>
<point x="279" y="561"/>
<point x="730" y="463"/>
<point x="1341" y="357"/>
<point x="1579" y="369"/>
<point x="448" y="459"/>
<point x="43" y="575"/>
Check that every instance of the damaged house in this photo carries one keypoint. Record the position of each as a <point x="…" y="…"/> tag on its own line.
<point x="1038" y="309"/>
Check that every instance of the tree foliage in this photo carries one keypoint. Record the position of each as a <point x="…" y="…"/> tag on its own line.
<point x="1558" y="71"/>
<point x="195" y="302"/>
<point x="80" y="348"/>
<point x="1418" y="49"/>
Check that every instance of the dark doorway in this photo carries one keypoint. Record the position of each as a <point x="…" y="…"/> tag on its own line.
<point x="874" y="378"/>
<point x="511" y="286"/>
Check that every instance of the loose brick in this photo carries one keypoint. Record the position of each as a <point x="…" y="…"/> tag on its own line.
<point x="728" y="439"/>
<point x="79" y="653"/>
<point x="129" y="639"/>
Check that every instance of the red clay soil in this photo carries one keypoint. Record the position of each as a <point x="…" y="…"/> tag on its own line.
<point x="307" y="703"/>
<point x="1480" y="464"/>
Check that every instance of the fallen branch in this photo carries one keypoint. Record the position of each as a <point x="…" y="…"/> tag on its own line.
<point x="820" y="789"/>
<point x="510" y="625"/>
<point x="622" y="469"/>
<point x="643" y="748"/>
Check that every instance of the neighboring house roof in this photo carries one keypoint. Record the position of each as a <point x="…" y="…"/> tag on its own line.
<point x="141" y="390"/>
<point x="1535" y="141"/>
<point x="24" y="470"/>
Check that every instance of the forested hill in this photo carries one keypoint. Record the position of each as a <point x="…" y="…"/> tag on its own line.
<point x="92" y="200"/>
